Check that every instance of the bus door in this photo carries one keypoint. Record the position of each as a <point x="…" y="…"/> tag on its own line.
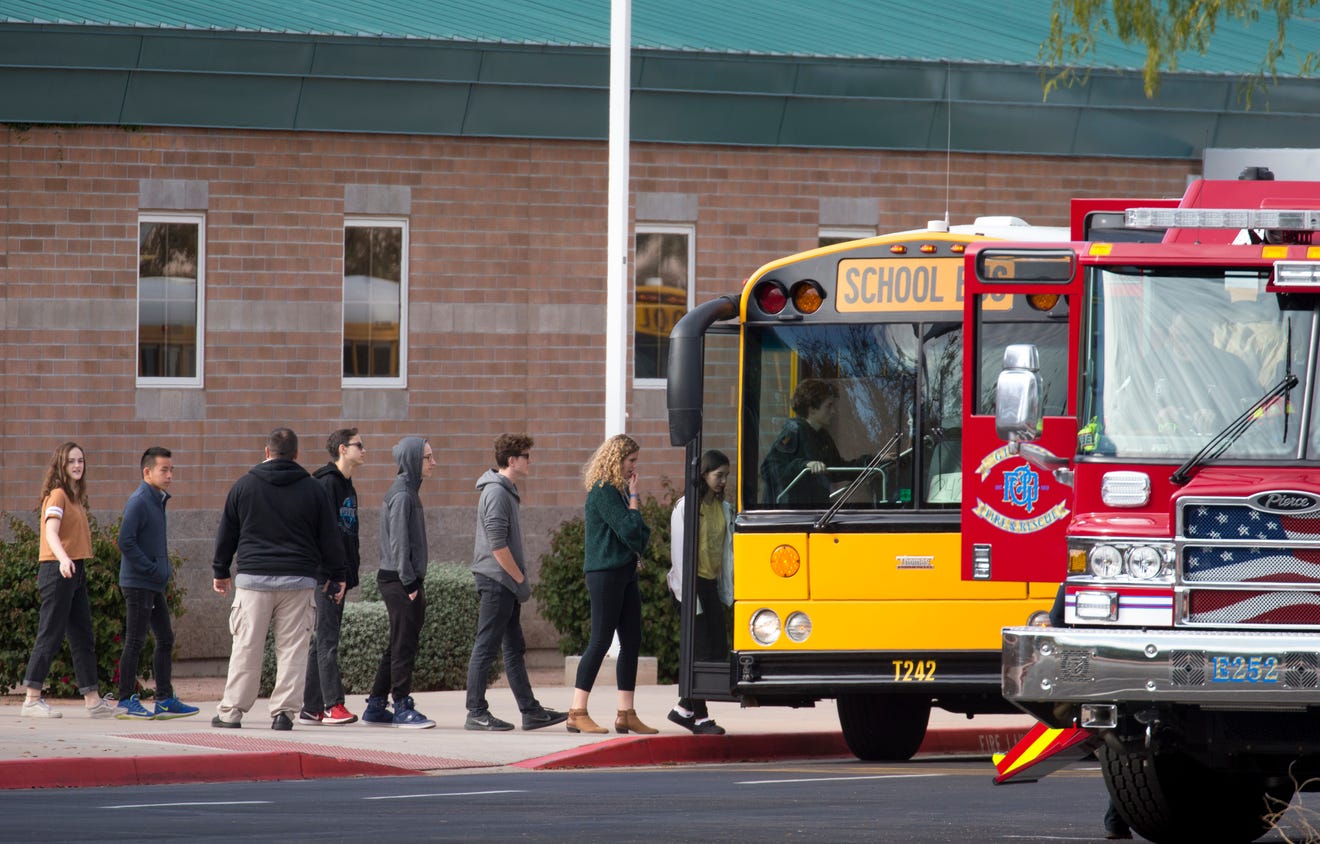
<point x="1014" y="510"/>
<point x="703" y="416"/>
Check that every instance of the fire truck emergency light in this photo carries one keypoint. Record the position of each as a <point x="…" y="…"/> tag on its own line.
<point x="1223" y="218"/>
<point x="1296" y="273"/>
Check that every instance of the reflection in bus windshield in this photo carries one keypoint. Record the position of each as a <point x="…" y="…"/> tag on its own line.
<point x="828" y="397"/>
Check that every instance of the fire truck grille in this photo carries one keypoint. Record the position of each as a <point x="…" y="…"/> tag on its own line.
<point x="1251" y="565"/>
<point x="1238" y="520"/>
<point x="1244" y="606"/>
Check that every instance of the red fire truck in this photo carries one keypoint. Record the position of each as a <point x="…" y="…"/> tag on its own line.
<point x="1163" y="460"/>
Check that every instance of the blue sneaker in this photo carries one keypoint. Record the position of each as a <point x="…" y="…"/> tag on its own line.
<point x="172" y="707"/>
<point x="132" y="710"/>
<point x="378" y="713"/>
<point x="409" y="718"/>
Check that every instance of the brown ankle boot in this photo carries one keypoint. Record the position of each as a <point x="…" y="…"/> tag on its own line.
<point x="580" y="722"/>
<point x="627" y="720"/>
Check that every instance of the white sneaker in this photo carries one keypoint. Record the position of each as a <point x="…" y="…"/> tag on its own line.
<point x="39" y="709"/>
<point x="103" y="709"/>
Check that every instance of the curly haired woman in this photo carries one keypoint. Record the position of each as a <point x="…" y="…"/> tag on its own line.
<point x="616" y="538"/>
<point x="66" y="546"/>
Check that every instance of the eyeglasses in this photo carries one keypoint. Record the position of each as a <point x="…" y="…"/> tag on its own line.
<point x="356" y="445"/>
<point x="76" y="460"/>
<point x="525" y="455"/>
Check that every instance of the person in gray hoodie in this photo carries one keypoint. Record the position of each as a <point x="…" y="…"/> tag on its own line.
<point x="500" y="569"/>
<point x="401" y="575"/>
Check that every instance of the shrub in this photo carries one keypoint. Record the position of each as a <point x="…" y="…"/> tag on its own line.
<point x="20" y="606"/>
<point x="446" y="642"/>
<point x="562" y="592"/>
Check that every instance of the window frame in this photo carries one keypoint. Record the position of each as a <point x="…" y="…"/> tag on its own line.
<point x="845" y="232"/>
<point x="197" y="380"/>
<point x="690" y="230"/>
<point x="370" y="382"/>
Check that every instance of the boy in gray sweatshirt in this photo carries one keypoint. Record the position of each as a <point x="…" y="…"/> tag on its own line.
<point x="402" y="570"/>
<point x="500" y="569"/>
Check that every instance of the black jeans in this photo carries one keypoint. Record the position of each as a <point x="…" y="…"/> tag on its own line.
<point x="616" y="604"/>
<point x="499" y="627"/>
<point x="394" y="675"/>
<point x="324" y="686"/>
<point x="64" y="610"/>
<point x="711" y="637"/>
<point x="146" y="608"/>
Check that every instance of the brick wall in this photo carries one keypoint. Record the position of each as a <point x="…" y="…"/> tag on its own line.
<point x="506" y="299"/>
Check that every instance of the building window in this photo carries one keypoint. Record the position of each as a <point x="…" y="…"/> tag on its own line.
<point x="171" y="270"/>
<point x="829" y="237"/>
<point x="663" y="281"/>
<point x="375" y="302"/>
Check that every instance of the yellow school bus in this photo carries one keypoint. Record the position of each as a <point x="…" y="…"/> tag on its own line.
<point x="834" y="383"/>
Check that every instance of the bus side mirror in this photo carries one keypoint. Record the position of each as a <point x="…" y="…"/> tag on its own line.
<point x="1017" y="395"/>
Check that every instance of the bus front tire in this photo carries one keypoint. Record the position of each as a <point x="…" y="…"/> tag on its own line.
<point x="883" y="727"/>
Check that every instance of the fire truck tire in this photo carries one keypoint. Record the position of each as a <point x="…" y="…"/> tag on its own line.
<point x="883" y="728"/>
<point x="1170" y="799"/>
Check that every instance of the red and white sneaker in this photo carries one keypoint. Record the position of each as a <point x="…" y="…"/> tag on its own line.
<point x="338" y="714"/>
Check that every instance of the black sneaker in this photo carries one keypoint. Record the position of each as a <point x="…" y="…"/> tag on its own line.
<point x="217" y="721"/>
<point x="707" y="728"/>
<point x="687" y="722"/>
<point x="488" y="722"/>
<point x="543" y="718"/>
<point x="281" y="722"/>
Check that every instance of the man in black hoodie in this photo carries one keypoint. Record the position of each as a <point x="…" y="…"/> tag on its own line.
<point x="281" y="524"/>
<point x="323" y="696"/>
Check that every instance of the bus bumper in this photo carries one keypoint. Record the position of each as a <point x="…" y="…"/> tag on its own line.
<point x="949" y="677"/>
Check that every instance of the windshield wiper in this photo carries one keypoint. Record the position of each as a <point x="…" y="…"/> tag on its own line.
<point x="880" y="456"/>
<point x="1221" y="441"/>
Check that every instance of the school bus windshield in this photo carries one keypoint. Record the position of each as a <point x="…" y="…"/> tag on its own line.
<point x="821" y="401"/>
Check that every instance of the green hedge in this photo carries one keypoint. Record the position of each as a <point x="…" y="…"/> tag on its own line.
<point x="562" y="591"/>
<point x="448" y="634"/>
<point x="20" y="605"/>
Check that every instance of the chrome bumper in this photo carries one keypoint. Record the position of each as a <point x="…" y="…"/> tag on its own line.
<point x="1238" y="670"/>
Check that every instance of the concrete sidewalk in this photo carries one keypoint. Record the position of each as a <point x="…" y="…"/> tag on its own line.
<point x="75" y="750"/>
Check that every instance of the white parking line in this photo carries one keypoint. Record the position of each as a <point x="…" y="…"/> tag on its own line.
<point x="445" y="794"/>
<point x="171" y="805"/>
<point x="837" y="779"/>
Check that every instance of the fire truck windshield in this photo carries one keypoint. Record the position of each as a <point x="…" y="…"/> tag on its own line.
<point x="1172" y="357"/>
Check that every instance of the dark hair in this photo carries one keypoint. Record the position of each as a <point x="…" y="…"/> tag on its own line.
<point x="149" y="456"/>
<point x="711" y="460"/>
<point x="811" y="394"/>
<point x="57" y="475"/>
<point x="283" y="443"/>
<point x="337" y="439"/>
<point x="508" y="446"/>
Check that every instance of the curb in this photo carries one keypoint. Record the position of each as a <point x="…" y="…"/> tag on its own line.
<point x="82" y="772"/>
<point x="625" y="751"/>
<point x="673" y="750"/>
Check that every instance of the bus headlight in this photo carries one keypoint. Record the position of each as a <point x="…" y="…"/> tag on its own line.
<point x="798" y="626"/>
<point x="765" y="627"/>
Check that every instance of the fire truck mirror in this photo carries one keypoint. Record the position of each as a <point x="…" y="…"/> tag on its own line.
<point x="1017" y="396"/>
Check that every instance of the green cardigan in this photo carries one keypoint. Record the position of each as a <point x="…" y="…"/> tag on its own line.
<point x="615" y="535"/>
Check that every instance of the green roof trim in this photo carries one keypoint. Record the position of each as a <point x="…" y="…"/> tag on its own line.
<point x="488" y="68"/>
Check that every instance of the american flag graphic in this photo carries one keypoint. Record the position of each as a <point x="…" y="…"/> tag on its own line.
<point x="1288" y="553"/>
